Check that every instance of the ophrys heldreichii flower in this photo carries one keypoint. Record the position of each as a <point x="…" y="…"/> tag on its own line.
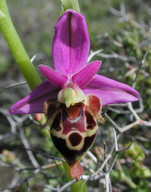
<point x="73" y="94"/>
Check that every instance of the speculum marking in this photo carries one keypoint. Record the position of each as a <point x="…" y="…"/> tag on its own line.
<point x="75" y="139"/>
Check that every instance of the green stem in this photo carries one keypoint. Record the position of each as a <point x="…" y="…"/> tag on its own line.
<point x="123" y="176"/>
<point x="18" y="51"/>
<point x="76" y="6"/>
<point x="70" y="4"/>
<point x="128" y="180"/>
<point x="78" y="186"/>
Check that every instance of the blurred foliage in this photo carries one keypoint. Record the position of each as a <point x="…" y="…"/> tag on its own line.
<point x="135" y="173"/>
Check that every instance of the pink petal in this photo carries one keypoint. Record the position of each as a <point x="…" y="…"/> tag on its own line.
<point x="71" y="43"/>
<point x="33" y="103"/>
<point x="53" y="77"/>
<point x="110" y="91"/>
<point x="84" y="76"/>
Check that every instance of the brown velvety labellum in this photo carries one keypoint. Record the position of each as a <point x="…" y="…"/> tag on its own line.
<point x="69" y="155"/>
<point x="50" y="107"/>
<point x="56" y="123"/>
<point x="73" y="129"/>
<point x="75" y="139"/>
<point x="94" y="104"/>
<point x="73" y="124"/>
<point x="72" y="156"/>
<point x="88" y="142"/>
<point x="91" y="123"/>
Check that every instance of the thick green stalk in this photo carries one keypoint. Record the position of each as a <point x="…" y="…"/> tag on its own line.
<point x="78" y="186"/>
<point x="18" y="51"/>
<point x="70" y="4"/>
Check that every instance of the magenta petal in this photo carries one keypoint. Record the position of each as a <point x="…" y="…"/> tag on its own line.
<point x="33" y="103"/>
<point x="53" y="77"/>
<point x="110" y="91"/>
<point x="83" y="77"/>
<point x="71" y="43"/>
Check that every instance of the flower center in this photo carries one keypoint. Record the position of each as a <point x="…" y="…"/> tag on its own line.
<point x="70" y="95"/>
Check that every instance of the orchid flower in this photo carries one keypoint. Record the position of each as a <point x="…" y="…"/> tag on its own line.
<point x="73" y="94"/>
